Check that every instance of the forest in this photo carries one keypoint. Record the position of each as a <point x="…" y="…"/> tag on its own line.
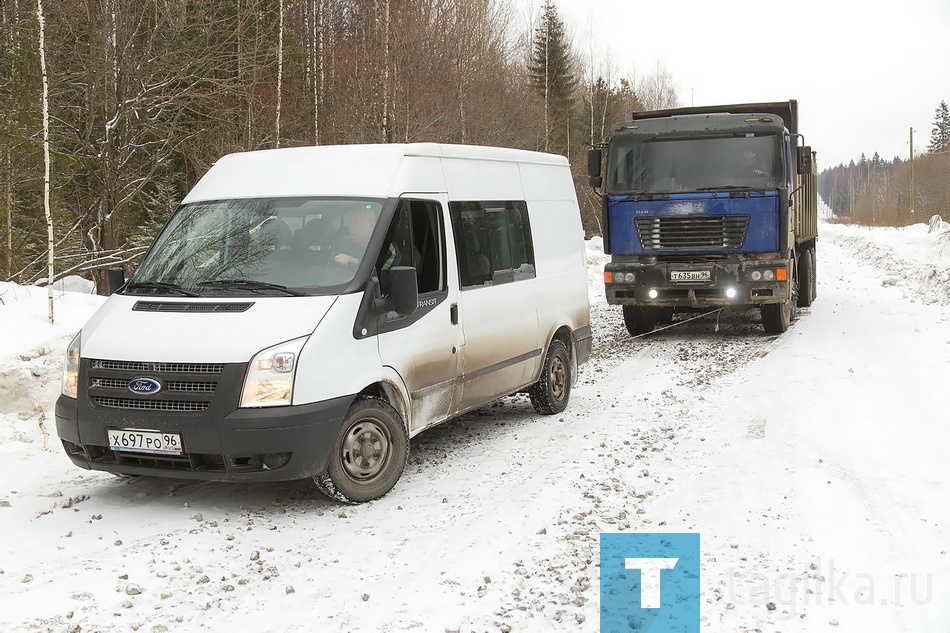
<point x="877" y="192"/>
<point x="110" y="110"/>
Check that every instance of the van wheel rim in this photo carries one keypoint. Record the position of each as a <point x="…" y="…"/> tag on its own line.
<point x="366" y="450"/>
<point x="557" y="377"/>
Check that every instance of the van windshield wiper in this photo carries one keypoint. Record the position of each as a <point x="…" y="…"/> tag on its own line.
<point x="161" y="285"/>
<point x="250" y="284"/>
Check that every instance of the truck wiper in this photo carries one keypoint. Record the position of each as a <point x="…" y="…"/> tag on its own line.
<point x="251" y="284"/>
<point x="161" y="285"/>
<point x="728" y="188"/>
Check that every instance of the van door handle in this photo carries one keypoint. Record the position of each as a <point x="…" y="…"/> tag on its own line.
<point x="454" y="313"/>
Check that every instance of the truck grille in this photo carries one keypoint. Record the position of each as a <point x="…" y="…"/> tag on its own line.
<point x="696" y="232"/>
<point x="185" y="387"/>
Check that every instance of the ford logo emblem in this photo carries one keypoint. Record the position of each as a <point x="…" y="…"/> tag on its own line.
<point x="145" y="386"/>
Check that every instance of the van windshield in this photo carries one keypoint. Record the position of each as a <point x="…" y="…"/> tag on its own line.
<point x="284" y="246"/>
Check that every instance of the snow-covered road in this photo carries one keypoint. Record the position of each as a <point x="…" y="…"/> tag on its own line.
<point x="811" y="464"/>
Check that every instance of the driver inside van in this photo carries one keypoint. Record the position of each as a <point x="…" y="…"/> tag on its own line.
<point x="359" y="223"/>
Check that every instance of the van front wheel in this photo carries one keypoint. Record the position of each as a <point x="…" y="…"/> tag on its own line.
<point x="552" y="391"/>
<point x="369" y="454"/>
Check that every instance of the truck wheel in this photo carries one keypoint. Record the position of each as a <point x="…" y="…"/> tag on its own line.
<point x="814" y="272"/>
<point x="639" y="319"/>
<point x="369" y="454"/>
<point x="552" y="391"/>
<point x="776" y="317"/>
<point x="806" y="276"/>
<point x="665" y="315"/>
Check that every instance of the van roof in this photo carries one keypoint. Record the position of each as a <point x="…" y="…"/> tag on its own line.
<point x="375" y="170"/>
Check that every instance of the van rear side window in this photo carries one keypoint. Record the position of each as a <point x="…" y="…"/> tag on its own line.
<point x="493" y="240"/>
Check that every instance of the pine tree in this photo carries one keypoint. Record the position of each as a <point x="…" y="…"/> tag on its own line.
<point x="940" y="135"/>
<point x="551" y="70"/>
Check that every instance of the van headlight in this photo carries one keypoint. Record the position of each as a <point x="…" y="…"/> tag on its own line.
<point x="71" y="369"/>
<point x="270" y="376"/>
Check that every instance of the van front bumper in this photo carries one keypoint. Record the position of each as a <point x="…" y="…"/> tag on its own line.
<point x="266" y="444"/>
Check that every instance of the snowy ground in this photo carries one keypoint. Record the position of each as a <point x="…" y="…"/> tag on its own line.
<point x="813" y="464"/>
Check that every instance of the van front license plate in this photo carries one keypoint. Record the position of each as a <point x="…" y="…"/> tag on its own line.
<point x="690" y="275"/>
<point x="152" y="442"/>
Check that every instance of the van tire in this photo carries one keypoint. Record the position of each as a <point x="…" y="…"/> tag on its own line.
<point x="369" y="454"/>
<point x="553" y="390"/>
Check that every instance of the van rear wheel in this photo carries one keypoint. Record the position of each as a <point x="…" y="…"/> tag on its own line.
<point x="369" y="454"/>
<point x="552" y="391"/>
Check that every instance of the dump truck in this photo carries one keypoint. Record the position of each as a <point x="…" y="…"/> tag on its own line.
<point x="705" y="208"/>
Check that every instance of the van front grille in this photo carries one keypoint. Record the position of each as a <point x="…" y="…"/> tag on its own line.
<point x="149" y="405"/>
<point x="170" y="368"/>
<point x="178" y="387"/>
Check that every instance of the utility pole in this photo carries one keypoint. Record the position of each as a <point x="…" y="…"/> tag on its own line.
<point x="912" y="174"/>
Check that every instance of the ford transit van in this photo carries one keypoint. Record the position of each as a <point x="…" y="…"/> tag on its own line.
<point x="306" y="311"/>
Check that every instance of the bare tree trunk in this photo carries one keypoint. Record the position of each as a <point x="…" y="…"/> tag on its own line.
<point x="10" y="199"/>
<point x="46" y="161"/>
<point x="547" y="88"/>
<point x="387" y="132"/>
<point x="280" y="67"/>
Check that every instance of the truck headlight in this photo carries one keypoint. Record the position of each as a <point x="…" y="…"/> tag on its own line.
<point x="71" y="369"/>
<point x="270" y="376"/>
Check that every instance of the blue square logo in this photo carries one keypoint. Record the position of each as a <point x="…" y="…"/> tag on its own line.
<point x="649" y="583"/>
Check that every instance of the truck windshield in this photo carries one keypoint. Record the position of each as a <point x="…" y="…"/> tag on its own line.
<point x="285" y="246"/>
<point x="642" y="164"/>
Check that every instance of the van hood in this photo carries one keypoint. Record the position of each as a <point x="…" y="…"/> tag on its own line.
<point x="201" y="330"/>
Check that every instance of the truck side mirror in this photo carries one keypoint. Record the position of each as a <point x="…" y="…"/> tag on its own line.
<point x="403" y="293"/>
<point x="806" y="165"/>
<point x="115" y="279"/>
<point x="594" y="158"/>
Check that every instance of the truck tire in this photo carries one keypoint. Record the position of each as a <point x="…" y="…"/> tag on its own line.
<point x="665" y="315"/>
<point x="776" y="317"/>
<point x="814" y="273"/>
<point x="552" y="391"/>
<point x="639" y="319"/>
<point x="369" y="454"/>
<point x="806" y="276"/>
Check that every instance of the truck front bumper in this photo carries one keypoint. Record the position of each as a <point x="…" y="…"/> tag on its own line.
<point x="698" y="285"/>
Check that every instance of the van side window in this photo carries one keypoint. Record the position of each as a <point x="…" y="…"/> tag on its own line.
<point x="417" y="237"/>
<point x="493" y="240"/>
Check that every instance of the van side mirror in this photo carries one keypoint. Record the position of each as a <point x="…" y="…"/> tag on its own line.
<point x="403" y="291"/>
<point x="806" y="164"/>
<point x="594" y="159"/>
<point x="115" y="279"/>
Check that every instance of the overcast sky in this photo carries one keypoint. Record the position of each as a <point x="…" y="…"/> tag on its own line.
<point x="863" y="72"/>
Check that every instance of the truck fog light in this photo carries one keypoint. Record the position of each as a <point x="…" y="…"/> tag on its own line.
<point x="731" y="293"/>
<point x="756" y="275"/>
<point x="768" y="275"/>
<point x="653" y="294"/>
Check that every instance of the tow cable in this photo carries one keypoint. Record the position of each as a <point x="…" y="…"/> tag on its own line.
<point x="597" y="351"/>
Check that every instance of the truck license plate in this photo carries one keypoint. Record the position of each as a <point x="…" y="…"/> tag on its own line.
<point x="152" y="442"/>
<point x="690" y="275"/>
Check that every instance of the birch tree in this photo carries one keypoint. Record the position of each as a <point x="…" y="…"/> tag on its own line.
<point x="41" y="20"/>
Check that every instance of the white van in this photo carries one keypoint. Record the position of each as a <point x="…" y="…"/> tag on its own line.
<point x="306" y="311"/>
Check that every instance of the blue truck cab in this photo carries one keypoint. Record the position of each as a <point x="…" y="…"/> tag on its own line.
<point x="708" y="207"/>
